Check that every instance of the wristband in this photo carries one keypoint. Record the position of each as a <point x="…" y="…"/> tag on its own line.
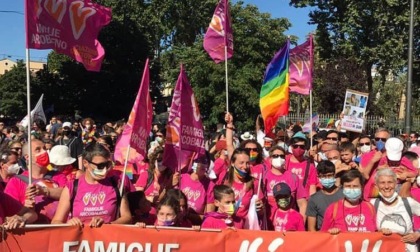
<point x="231" y="128"/>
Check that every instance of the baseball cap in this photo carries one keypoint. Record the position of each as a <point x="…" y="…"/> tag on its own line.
<point x="67" y="124"/>
<point x="299" y="135"/>
<point x="281" y="189"/>
<point x="394" y="147"/>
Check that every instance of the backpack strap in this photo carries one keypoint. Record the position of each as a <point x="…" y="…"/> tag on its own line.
<point x="376" y="205"/>
<point x="335" y="210"/>
<point x="49" y="175"/>
<point x="150" y="178"/>
<point x="408" y="208"/>
<point x="73" y="194"/>
<point x="305" y="178"/>
<point x="24" y="178"/>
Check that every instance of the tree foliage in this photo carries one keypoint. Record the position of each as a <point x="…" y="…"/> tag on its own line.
<point x="13" y="91"/>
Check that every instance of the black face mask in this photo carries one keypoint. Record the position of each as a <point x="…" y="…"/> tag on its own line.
<point x="66" y="132"/>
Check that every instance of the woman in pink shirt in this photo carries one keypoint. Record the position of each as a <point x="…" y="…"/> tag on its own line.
<point x="221" y="162"/>
<point x="157" y="180"/>
<point x="198" y="189"/>
<point x="351" y="214"/>
<point x="93" y="199"/>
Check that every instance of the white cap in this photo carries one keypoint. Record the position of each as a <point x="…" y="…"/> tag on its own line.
<point x="60" y="155"/>
<point x="394" y="147"/>
<point x="67" y="124"/>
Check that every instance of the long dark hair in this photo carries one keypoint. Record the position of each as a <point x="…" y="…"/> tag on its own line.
<point x="259" y="159"/>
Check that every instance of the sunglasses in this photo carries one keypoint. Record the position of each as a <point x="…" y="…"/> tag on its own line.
<point x="101" y="166"/>
<point x="361" y="144"/>
<point x="278" y="155"/>
<point x="295" y="146"/>
<point x="16" y="149"/>
<point x="332" y="138"/>
<point x="251" y="149"/>
<point x="377" y="139"/>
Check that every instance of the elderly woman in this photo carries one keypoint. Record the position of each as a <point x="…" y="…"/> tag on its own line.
<point x="394" y="213"/>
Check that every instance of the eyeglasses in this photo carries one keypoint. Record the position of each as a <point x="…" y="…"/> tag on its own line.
<point x="332" y="138"/>
<point x="101" y="166"/>
<point x="251" y="149"/>
<point x="16" y="149"/>
<point x="278" y="155"/>
<point x="295" y="146"/>
<point x="377" y="139"/>
<point x="367" y="144"/>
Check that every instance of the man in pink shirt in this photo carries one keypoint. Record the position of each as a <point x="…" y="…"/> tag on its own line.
<point x="46" y="188"/>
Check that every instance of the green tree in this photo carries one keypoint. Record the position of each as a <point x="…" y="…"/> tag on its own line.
<point x="13" y="92"/>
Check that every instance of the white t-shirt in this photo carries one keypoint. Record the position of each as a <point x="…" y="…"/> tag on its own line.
<point x="396" y="218"/>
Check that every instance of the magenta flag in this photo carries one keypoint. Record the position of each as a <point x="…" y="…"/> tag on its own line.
<point x="301" y="67"/>
<point x="139" y="124"/>
<point x="219" y="34"/>
<point x="68" y="27"/>
<point x="142" y="123"/>
<point x="184" y="131"/>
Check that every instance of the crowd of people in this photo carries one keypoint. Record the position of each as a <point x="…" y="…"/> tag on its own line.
<point x="330" y="181"/>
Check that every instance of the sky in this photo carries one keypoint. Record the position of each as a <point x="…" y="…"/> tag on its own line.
<point x="12" y="40"/>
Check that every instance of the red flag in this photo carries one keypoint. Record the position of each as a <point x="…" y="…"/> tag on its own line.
<point x="184" y="132"/>
<point x="219" y="34"/>
<point x="139" y="124"/>
<point x="68" y="27"/>
<point x="301" y="67"/>
<point x="144" y="114"/>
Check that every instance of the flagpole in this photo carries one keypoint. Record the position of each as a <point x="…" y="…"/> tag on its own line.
<point x="310" y="117"/>
<point x="227" y="82"/>
<point x="124" y="170"/>
<point x="28" y="104"/>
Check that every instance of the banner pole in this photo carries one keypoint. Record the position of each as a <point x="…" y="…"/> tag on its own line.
<point x="227" y="82"/>
<point x="124" y="170"/>
<point x="310" y="117"/>
<point x="29" y="126"/>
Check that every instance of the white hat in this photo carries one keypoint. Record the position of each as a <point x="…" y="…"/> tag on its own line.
<point x="67" y="124"/>
<point x="394" y="147"/>
<point x="60" y="155"/>
<point x="247" y="136"/>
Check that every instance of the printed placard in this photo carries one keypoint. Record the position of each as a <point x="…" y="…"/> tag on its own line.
<point x="354" y="111"/>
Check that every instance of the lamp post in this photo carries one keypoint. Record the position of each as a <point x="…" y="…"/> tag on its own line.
<point x="410" y="71"/>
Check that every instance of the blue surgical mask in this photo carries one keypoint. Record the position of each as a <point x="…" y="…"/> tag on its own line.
<point x="352" y="194"/>
<point x="168" y="223"/>
<point x="380" y="145"/>
<point x="327" y="182"/>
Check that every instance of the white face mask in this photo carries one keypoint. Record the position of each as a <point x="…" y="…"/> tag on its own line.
<point x="390" y="199"/>
<point x="418" y="164"/>
<point x="334" y="161"/>
<point x="365" y="148"/>
<point x="322" y="156"/>
<point x="277" y="162"/>
<point x="13" y="169"/>
<point x="418" y="180"/>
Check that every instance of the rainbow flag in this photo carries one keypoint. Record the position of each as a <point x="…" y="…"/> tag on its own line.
<point x="274" y="95"/>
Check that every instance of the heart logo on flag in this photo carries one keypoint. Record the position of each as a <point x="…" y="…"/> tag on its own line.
<point x="217" y="25"/>
<point x="78" y="16"/>
<point x="56" y="9"/>
<point x="38" y="7"/>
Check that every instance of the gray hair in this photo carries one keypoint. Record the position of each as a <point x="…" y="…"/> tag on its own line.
<point x="385" y="172"/>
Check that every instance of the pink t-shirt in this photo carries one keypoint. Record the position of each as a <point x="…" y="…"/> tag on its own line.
<point x="299" y="168"/>
<point x="45" y="207"/>
<point x="370" y="183"/>
<point x="258" y="170"/>
<point x="199" y="193"/>
<point x="221" y="167"/>
<point x="155" y="188"/>
<point x="415" y="194"/>
<point x="361" y="218"/>
<point x="289" y="220"/>
<point x="8" y="206"/>
<point x="298" y="192"/>
<point x="94" y="200"/>
<point x="243" y="197"/>
<point x="217" y="221"/>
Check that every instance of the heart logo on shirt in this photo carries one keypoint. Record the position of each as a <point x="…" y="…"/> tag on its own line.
<point x="352" y="219"/>
<point x="78" y="16"/>
<point x="101" y="197"/>
<point x="86" y="199"/>
<point x="362" y="219"/>
<point x="196" y="195"/>
<point x="93" y="199"/>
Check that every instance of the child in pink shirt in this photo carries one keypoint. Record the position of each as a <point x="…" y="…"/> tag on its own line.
<point x="224" y="200"/>
<point x="286" y="218"/>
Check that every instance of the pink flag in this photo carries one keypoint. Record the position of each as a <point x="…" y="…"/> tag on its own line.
<point x="139" y="124"/>
<point x="69" y="27"/>
<point x="184" y="131"/>
<point x="219" y="34"/>
<point x="301" y="67"/>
